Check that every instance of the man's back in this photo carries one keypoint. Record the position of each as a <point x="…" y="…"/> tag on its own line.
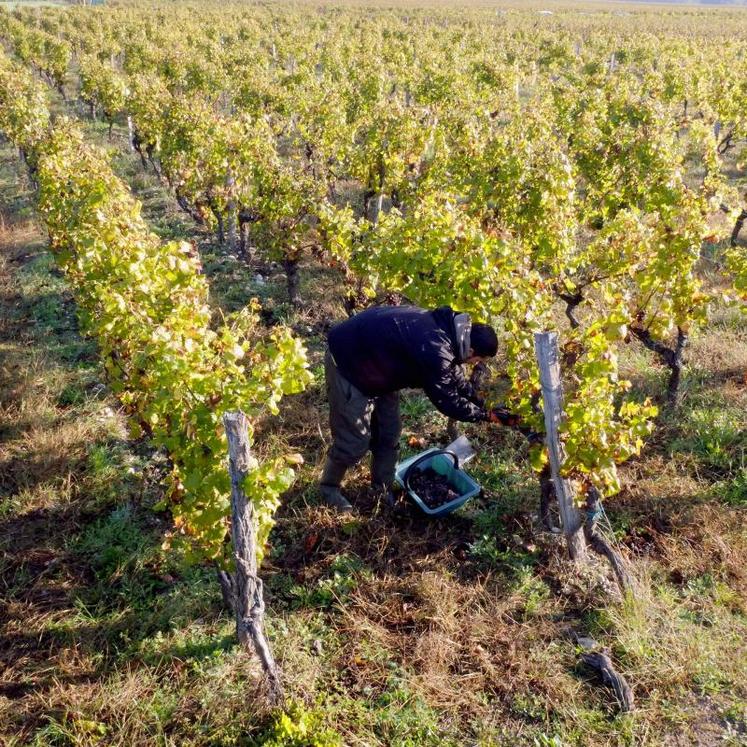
<point x="387" y="348"/>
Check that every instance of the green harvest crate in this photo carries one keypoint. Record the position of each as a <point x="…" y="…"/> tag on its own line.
<point x="444" y="463"/>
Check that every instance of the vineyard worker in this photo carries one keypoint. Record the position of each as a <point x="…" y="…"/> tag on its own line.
<point x="373" y="355"/>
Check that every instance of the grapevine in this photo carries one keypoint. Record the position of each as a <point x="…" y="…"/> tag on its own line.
<point x="146" y="304"/>
<point x="553" y="195"/>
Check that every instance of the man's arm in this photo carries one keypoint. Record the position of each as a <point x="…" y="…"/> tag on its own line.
<point x="465" y="388"/>
<point x="445" y="393"/>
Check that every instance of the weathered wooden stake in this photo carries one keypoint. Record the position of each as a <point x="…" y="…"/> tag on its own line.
<point x="244" y="587"/>
<point x="548" y="358"/>
<point x="233" y="215"/>
<point x="130" y="134"/>
<point x="375" y="207"/>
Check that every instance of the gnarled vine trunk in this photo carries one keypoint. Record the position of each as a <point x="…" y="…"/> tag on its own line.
<point x="599" y="543"/>
<point x="220" y="231"/>
<point x="671" y="357"/>
<point x="191" y="210"/>
<point x="738" y="227"/>
<point x="246" y="216"/>
<point x="294" y="281"/>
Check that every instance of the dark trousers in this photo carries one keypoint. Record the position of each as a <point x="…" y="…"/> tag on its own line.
<point x="360" y="423"/>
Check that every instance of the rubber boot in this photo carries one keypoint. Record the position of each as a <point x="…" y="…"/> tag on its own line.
<point x="329" y="486"/>
<point x="383" y="465"/>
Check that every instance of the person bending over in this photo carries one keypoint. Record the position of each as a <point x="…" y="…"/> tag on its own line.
<point x="373" y="355"/>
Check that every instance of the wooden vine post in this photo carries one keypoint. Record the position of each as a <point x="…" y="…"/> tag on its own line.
<point x="243" y="588"/>
<point x="130" y="134"/>
<point x="232" y="212"/>
<point x="576" y="531"/>
<point x="548" y="358"/>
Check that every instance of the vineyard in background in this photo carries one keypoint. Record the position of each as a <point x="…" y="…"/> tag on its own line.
<point x="504" y="175"/>
<point x="559" y="170"/>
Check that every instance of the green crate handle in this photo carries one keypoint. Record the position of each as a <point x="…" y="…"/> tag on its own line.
<point x="428" y="456"/>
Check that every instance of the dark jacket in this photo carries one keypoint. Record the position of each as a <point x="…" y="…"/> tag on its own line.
<point x="387" y="348"/>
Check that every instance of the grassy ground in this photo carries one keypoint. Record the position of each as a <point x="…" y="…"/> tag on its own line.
<point x="395" y="631"/>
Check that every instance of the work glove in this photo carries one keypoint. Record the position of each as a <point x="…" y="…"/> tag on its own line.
<point x="503" y="416"/>
<point x="534" y="437"/>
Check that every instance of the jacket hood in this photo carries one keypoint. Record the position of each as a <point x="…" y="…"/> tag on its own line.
<point x="458" y="326"/>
